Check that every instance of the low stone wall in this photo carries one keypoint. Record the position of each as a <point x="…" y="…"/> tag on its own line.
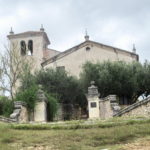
<point x="7" y="120"/>
<point x="141" y="108"/>
<point x="68" y="112"/>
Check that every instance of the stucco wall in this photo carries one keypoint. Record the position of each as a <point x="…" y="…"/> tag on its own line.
<point x="74" y="61"/>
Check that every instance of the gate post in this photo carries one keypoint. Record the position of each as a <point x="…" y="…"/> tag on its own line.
<point x="93" y="101"/>
<point x="40" y="111"/>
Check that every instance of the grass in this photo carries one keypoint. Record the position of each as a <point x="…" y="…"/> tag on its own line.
<point x="79" y="124"/>
<point x="73" y="135"/>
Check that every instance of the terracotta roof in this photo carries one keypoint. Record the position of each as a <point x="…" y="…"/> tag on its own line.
<point x="53" y="50"/>
<point x="30" y="33"/>
<point x="48" y="53"/>
<point x="73" y="49"/>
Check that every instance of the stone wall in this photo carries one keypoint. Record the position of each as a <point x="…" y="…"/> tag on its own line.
<point x="39" y="114"/>
<point x="106" y="111"/>
<point x="59" y="113"/>
<point x="23" y="118"/>
<point x="108" y="107"/>
<point x="20" y="113"/>
<point x="6" y="120"/>
<point x="68" y="112"/>
<point x="141" y="108"/>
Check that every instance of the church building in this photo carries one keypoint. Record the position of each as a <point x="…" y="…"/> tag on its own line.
<point x="35" y="44"/>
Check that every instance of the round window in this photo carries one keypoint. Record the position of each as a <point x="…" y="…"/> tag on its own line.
<point x="88" y="48"/>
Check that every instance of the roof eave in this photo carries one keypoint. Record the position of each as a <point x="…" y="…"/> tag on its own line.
<point x="69" y="50"/>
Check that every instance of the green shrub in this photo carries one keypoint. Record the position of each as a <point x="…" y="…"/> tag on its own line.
<point x="6" y="106"/>
<point x="29" y="96"/>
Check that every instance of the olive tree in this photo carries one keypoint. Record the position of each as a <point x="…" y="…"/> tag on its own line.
<point x="128" y="80"/>
<point x="66" y="88"/>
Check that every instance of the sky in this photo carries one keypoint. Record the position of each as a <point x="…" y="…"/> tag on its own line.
<point x="118" y="23"/>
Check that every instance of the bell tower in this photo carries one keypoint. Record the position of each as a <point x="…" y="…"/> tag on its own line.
<point x="30" y="44"/>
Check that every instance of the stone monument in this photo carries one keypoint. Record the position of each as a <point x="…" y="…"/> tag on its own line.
<point x="93" y="101"/>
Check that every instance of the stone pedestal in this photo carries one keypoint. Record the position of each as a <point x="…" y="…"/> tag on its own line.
<point x="114" y="104"/>
<point x="93" y="102"/>
<point x="40" y="111"/>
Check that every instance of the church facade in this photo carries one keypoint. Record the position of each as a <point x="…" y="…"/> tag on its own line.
<point x="35" y="44"/>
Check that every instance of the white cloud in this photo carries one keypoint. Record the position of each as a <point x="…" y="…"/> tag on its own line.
<point x="117" y="23"/>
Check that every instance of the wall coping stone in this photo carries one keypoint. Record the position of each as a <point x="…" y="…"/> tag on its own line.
<point x="16" y="103"/>
<point x="109" y="97"/>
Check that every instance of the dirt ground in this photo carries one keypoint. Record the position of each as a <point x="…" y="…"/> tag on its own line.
<point x="140" y="144"/>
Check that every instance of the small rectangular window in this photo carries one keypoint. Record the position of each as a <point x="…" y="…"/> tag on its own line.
<point x="93" y="104"/>
<point x="61" y="68"/>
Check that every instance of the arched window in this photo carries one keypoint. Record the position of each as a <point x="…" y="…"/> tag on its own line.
<point x="23" y="48"/>
<point x="30" y="47"/>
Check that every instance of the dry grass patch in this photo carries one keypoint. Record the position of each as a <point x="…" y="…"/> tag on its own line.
<point x="110" y="134"/>
<point x="140" y="144"/>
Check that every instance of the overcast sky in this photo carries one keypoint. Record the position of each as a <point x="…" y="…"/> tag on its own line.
<point x="118" y="23"/>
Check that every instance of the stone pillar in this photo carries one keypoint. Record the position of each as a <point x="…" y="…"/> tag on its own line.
<point x="40" y="111"/>
<point x="108" y="107"/>
<point x="114" y="104"/>
<point x="106" y="110"/>
<point x="20" y="113"/>
<point x="93" y="101"/>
